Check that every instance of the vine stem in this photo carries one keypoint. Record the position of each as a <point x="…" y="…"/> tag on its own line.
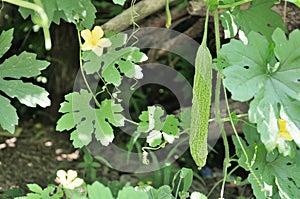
<point x="82" y="71"/>
<point x="226" y="119"/>
<point x="217" y="106"/>
<point x="241" y="145"/>
<point x="40" y="10"/>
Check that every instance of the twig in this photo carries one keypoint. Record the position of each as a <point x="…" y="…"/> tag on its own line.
<point x="123" y="20"/>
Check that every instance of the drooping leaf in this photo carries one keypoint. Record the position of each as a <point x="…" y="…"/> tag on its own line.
<point x="271" y="75"/>
<point x="118" y="58"/>
<point x="88" y="120"/>
<point x="270" y="176"/>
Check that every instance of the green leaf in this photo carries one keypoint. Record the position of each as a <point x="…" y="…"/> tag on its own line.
<point x="119" y="2"/>
<point x="35" y="188"/>
<point x="8" y="115"/>
<point x="6" y="38"/>
<point x="27" y="93"/>
<point x="187" y="175"/>
<point x="296" y="2"/>
<point x="151" y="119"/>
<point x="165" y="192"/>
<point x="267" y="177"/>
<point x="80" y="10"/>
<point x="24" y="65"/>
<point x="198" y="195"/>
<point x="252" y="72"/>
<point x="118" y="59"/>
<point x="89" y="120"/>
<point x="97" y="189"/>
<point x="154" y="138"/>
<point x="185" y="119"/>
<point x="69" y="10"/>
<point x="230" y="28"/>
<point x="171" y="125"/>
<point x="259" y="17"/>
<point x="130" y="191"/>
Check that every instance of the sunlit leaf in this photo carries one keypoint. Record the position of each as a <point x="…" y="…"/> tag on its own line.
<point x="88" y="120"/>
<point x="271" y="75"/>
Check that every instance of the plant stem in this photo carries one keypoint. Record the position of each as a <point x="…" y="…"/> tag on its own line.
<point x="227" y="119"/>
<point x="177" y="190"/>
<point x="217" y="105"/>
<point x="82" y="71"/>
<point x="131" y="121"/>
<point x="42" y="14"/>
<point x="233" y="4"/>
<point x="241" y="145"/>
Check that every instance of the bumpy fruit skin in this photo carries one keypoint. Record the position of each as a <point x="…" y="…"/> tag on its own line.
<point x="201" y="106"/>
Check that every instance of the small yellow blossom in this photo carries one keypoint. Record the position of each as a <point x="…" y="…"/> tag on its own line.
<point x="283" y="132"/>
<point x="149" y="182"/>
<point x="94" y="41"/>
<point x="68" y="179"/>
<point x="140" y="183"/>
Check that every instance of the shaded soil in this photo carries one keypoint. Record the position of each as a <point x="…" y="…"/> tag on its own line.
<point x="34" y="158"/>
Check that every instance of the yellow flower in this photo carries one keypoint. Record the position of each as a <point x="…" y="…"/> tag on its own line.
<point x="283" y="132"/>
<point x="94" y="41"/>
<point x="68" y="179"/>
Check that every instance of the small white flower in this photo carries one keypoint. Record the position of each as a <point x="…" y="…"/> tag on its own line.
<point x="68" y="179"/>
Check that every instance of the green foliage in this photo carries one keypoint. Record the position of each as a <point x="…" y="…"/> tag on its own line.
<point x="185" y="175"/>
<point x="89" y="166"/>
<point x="132" y="192"/>
<point x="118" y="59"/>
<point x="12" y="193"/>
<point x="119" y="2"/>
<point x="82" y="11"/>
<point x="273" y="174"/>
<point x="97" y="189"/>
<point x="152" y="123"/>
<point x="88" y="120"/>
<point x="162" y="192"/>
<point x="270" y="74"/>
<point x="259" y="17"/>
<point x="50" y="192"/>
<point x="12" y="70"/>
<point x="185" y="119"/>
<point x="296" y="2"/>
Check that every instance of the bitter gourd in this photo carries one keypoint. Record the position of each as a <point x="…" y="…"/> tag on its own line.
<point x="201" y="102"/>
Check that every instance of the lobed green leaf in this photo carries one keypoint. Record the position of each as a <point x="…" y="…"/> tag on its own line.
<point x="88" y="120"/>
<point x="270" y="74"/>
